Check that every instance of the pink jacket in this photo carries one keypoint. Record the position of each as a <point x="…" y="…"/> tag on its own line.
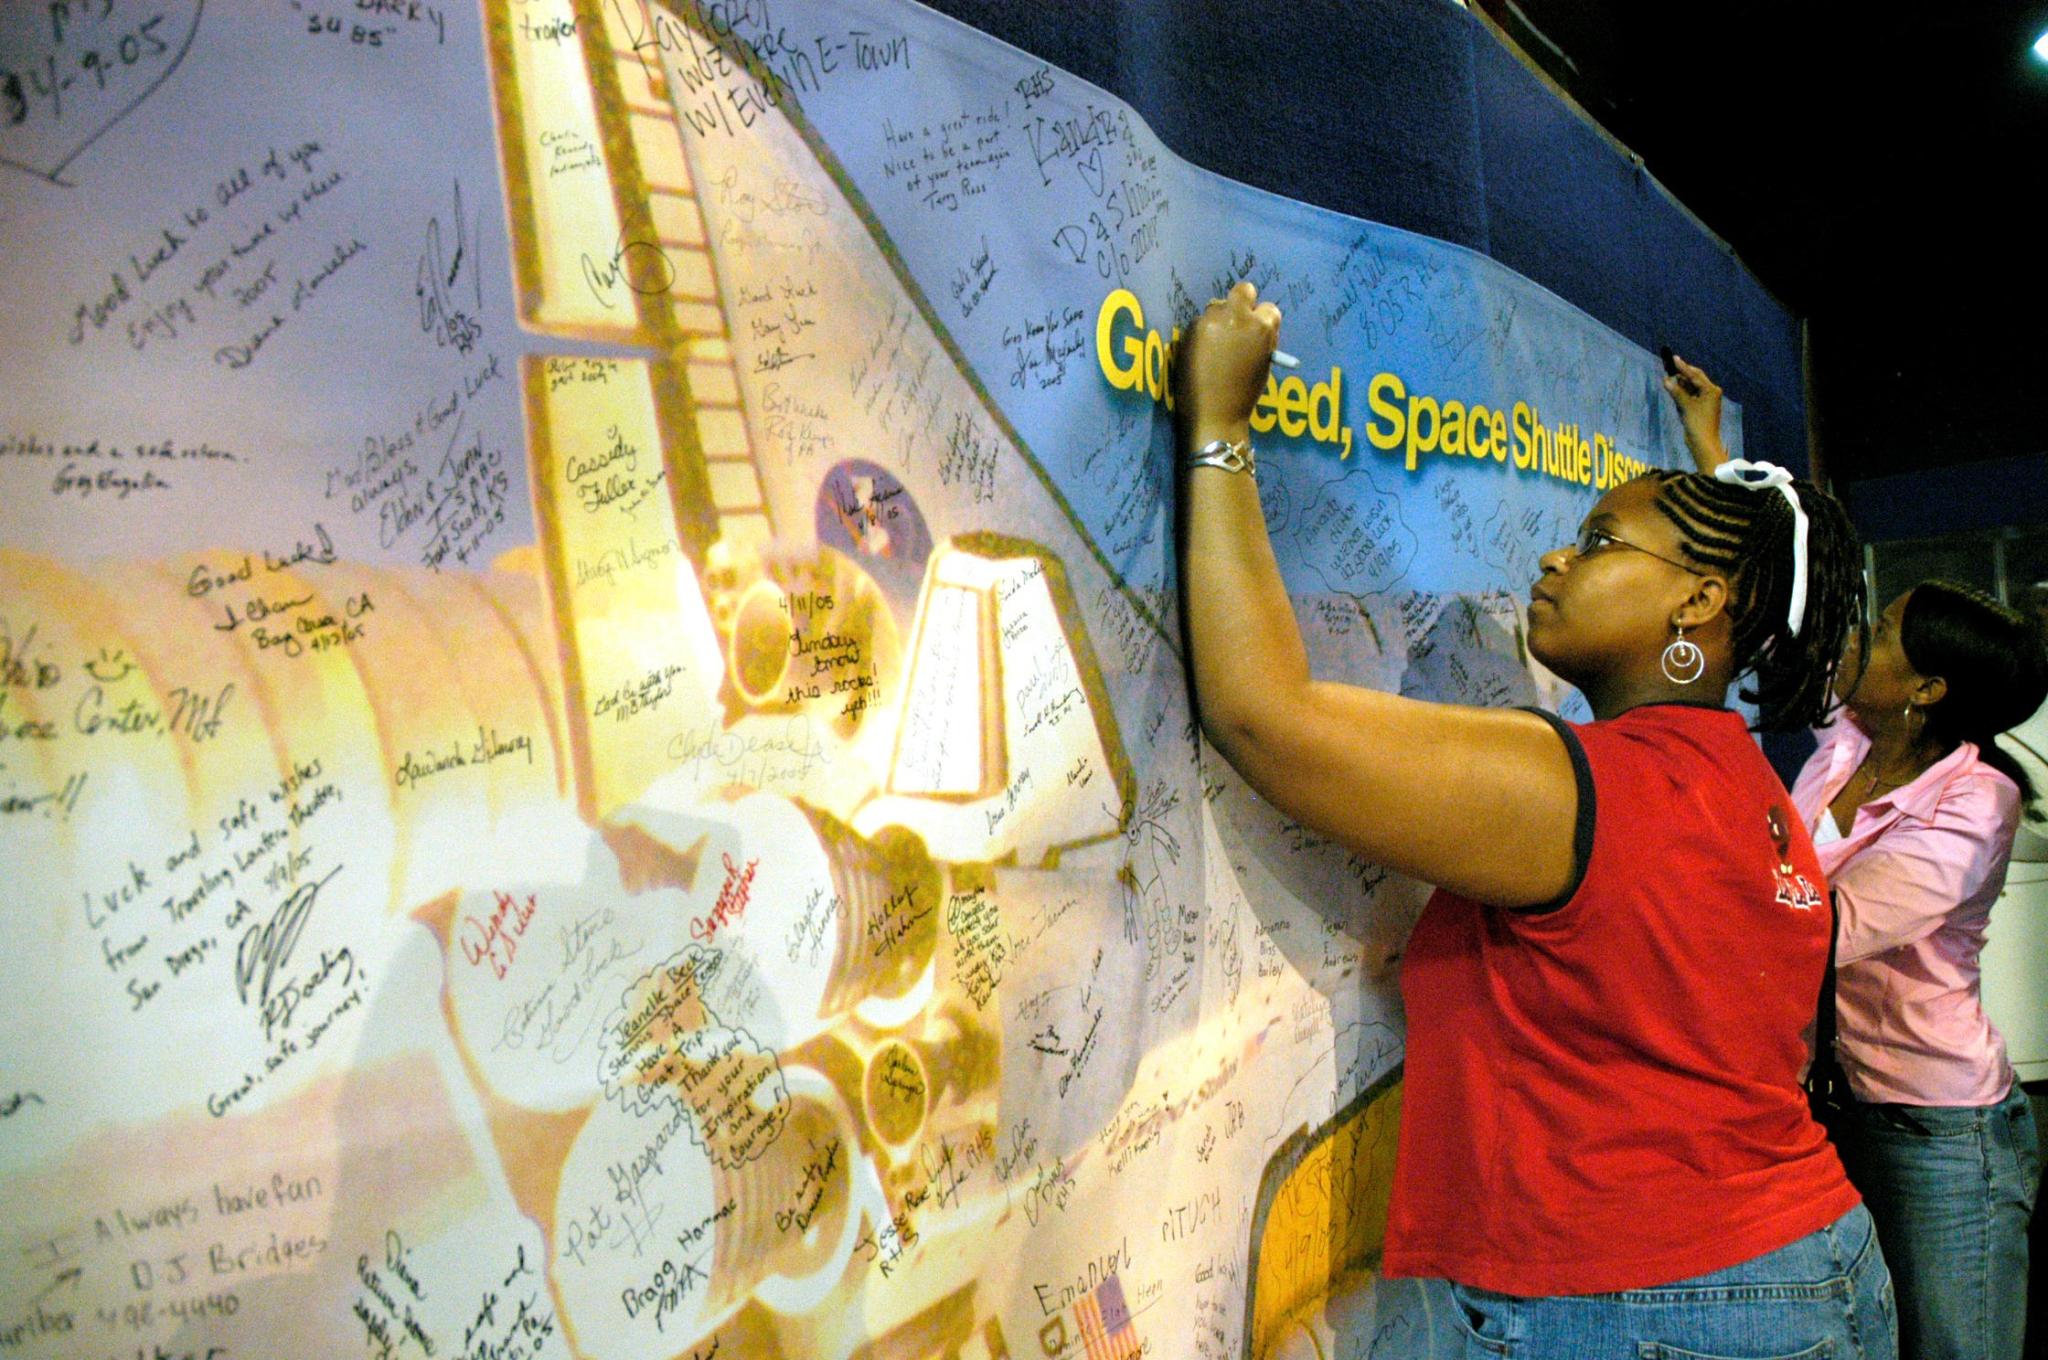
<point x="1915" y="876"/>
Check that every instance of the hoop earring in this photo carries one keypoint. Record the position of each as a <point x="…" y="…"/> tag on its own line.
<point x="1683" y="662"/>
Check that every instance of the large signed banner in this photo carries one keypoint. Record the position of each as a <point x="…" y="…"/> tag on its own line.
<point x="593" y="751"/>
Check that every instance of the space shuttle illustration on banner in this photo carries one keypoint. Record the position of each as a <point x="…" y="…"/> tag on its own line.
<point x="799" y="688"/>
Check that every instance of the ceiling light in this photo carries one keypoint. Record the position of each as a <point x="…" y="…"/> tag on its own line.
<point x="2041" y="47"/>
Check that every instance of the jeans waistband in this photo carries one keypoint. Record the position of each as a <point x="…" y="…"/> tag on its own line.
<point x="1939" y="1120"/>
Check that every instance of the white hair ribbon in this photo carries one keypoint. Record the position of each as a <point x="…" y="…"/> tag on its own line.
<point x="1762" y="476"/>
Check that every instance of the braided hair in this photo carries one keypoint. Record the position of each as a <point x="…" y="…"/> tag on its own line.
<point x="1745" y="534"/>
<point x="1992" y="658"/>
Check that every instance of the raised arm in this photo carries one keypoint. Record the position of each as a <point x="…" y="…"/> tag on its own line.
<point x="1699" y="413"/>
<point x="1904" y="885"/>
<point x="1480" y="801"/>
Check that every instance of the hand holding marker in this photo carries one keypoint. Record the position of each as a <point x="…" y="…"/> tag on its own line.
<point x="1699" y="410"/>
<point x="1670" y="358"/>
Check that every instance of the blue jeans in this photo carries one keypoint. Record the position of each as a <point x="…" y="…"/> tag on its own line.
<point x="1824" y="1297"/>
<point x="1951" y="1189"/>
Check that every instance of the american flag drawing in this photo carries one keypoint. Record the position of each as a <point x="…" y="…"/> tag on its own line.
<point x="1106" y="1328"/>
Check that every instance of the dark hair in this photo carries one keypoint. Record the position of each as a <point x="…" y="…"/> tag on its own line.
<point x="1745" y="534"/>
<point x="1992" y="659"/>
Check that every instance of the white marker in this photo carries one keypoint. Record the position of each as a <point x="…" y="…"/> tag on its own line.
<point x="1285" y="360"/>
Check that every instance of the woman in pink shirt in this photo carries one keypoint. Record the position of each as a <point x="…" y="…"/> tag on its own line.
<point x="1913" y="808"/>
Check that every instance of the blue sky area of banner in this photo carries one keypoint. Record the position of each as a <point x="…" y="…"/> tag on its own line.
<point x="1409" y="112"/>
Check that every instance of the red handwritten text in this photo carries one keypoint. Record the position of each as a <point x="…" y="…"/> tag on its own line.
<point x="732" y="899"/>
<point x="496" y="941"/>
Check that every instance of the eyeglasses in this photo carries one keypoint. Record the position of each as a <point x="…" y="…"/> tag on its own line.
<point x="1593" y="540"/>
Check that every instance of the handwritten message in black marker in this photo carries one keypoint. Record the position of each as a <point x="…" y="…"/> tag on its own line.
<point x="230" y="270"/>
<point x="108" y="469"/>
<point x="375" y="25"/>
<point x="438" y="484"/>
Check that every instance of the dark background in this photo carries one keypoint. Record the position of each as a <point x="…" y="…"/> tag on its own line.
<point x="1834" y="208"/>
<point x="1878" y="167"/>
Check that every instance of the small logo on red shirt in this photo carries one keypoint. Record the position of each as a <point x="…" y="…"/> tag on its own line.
<point x="1795" y="889"/>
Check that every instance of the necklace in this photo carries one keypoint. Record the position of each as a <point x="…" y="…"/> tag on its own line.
<point x="1875" y="777"/>
<point x="1915" y="768"/>
<point x="1873" y="780"/>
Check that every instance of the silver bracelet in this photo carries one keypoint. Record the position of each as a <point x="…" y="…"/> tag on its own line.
<point x="1222" y="453"/>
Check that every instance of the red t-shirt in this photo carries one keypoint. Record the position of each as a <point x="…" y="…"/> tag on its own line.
<point x="1604" y="1094"/>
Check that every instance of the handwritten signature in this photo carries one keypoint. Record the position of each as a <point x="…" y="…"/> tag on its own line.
<point x="437" y="277"/>
<point x="266" y="948"/>
<point x="642" y="266"/>
<point x="546" y="1018"/>
<point x="787" y="198"/>
<point x="278" y="1010"/>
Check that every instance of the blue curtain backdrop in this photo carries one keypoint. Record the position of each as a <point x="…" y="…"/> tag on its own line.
<point x="1411" y="113"/>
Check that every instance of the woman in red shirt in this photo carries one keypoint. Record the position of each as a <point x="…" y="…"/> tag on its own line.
<point x="1604" y="1148"/>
